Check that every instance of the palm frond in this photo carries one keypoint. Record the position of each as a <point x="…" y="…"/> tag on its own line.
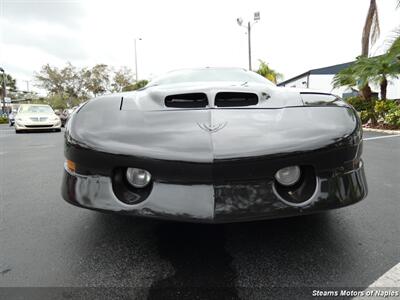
<point x="391" y="38"/>
<point x="267" y="72"/>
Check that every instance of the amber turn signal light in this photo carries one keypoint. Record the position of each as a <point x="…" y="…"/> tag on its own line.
<point x="71" y="165"/>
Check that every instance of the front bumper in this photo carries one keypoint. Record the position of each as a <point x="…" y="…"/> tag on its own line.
<point x="215" y="203"/>
<point x="37" y="126"/>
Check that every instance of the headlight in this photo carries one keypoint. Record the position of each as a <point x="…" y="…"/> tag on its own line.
<point x="288" y="176"/>
<point x="138" y="178"/>
<point x="56" y="119"/>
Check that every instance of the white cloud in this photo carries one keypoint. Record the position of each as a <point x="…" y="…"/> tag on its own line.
<point x="293" y="36"/>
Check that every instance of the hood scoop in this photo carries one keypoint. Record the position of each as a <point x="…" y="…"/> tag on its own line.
<point x="235" y="99"/>
<point x="192" y="100"/>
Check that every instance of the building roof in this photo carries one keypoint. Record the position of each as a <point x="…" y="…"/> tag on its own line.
<point x="331" y="70"/>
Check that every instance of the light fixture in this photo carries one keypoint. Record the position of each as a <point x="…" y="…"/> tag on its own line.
<point x="288" y="176"/>
<point x="138" y="178"/>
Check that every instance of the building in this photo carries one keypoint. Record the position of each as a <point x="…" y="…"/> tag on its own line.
<point x="321" y="79"/>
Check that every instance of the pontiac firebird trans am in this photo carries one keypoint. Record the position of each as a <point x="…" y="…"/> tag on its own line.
<point x="214" y="145"/>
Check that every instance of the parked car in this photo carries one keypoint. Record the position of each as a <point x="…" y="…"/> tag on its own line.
<point x="36" y="117"/>
<point x="11" y="118"/>
<point x="65" y="115"/>
<point x="214" y="145"/>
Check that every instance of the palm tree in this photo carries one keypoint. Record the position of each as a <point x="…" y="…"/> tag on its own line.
<point x="355" y="75"/>
<point x="370" y="34"/>
<point x="394" y="49"/>
<point x="394" y="53"/>
<point x="371" y="28"/>
<point x="379" y="70"/>
<point x="265" y="71"/>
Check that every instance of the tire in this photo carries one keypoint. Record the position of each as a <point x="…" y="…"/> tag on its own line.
<point x="58" y="130"/>
<point x="18" y="131"/>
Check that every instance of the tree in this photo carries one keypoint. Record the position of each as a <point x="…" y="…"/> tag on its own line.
<point x="381" y="69"/>
<point x="10" y="83"/>
<point x="69" y="86"/>
<point x="371" y="30"/>
<point x="97" y="79"/>
<point x="68" y="83"/>
<point x="265" y="71"/>
<point x="370" y="34"/>
<point x="138" y="85"/>
<point x="394" y="50"/>
<point x="394" y="54"/>
<point x="122" y="78"/>
<point x="377" y="69"/>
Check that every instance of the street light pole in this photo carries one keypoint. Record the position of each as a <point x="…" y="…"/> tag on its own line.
<point x="249" y="25"/>
<point x="27" y="85"/>
<point x="4" y="91"/>
<point x="136" y="67"/>
<point x="249" y="41"/>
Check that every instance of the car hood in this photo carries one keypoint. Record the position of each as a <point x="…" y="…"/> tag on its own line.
<point x="139" y="124"/>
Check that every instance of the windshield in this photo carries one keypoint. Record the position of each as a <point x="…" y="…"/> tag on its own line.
<point x="198" y="75"/>
<point x="36" y="109"/>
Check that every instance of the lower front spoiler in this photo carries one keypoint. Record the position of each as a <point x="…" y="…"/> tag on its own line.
<point x="222" y="203"/>
<point x="34" y="128"/>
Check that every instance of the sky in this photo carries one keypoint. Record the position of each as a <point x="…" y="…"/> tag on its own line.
<point x="292" y="36"/>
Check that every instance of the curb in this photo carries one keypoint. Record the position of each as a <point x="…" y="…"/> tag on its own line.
<point x="382" y="130"/>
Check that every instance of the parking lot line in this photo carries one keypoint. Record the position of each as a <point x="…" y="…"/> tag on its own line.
<point x="390" y="279"/>
<point x="381" y="137"/>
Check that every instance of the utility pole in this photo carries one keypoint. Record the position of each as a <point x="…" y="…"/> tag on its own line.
<point x="136" y="67"/>
<point x="4" y="90"/>
<point x="249" y="26"/>
<point x="27" y="85"/>
<point x="249" y="41"/>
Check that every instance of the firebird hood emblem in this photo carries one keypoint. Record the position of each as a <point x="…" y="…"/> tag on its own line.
<point x="212" y="127"/>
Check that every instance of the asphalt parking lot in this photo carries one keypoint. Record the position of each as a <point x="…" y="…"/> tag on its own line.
<point x="46" y="242"/>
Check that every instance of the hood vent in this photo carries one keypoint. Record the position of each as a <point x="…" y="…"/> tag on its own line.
<point x="233" y="99"/>
<point x="193" y="100"/>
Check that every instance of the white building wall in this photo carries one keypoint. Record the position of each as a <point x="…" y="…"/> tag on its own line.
<point x="298" y="83"/>
<point x="324" y="83"/>
<point x="393" y="90"/>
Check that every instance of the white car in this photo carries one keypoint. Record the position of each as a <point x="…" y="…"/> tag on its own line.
<point x="36" y="117"/>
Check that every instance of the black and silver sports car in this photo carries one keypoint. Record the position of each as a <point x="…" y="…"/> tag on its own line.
<point x="214" y="145"/>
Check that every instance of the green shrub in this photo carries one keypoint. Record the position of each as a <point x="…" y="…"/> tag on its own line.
<point x="382" y="107"/>
<point x="365" y="116"/>
<point x="365" y="108"/>
<point x="392" y="117"/>
<point x="360" y="104"/>
<point x="3" y="120"/>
